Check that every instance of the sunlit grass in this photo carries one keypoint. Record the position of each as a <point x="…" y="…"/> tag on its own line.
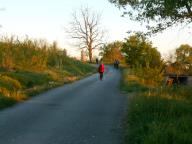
<point x="158" y="115"/>
<point x="11" y="88"/>
<point x="29" y="67"/>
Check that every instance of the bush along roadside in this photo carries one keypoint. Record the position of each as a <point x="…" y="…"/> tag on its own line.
<point x="157" y="115"/>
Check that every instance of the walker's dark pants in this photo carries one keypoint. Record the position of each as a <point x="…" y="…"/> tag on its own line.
<point x="101" y="75"/>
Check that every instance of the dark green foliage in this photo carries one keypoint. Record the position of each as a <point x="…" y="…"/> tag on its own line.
<point x="184" y="58"/>
<point x="164" y="12"/>
<point x="140" y="53"/>
<point x="184" y="54"/>
<point x="5" y="102"/>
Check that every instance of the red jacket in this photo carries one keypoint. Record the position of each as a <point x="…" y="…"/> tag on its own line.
<point x="101" y="68"/>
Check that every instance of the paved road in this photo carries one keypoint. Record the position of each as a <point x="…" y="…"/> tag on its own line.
<point x="85" y="112"/>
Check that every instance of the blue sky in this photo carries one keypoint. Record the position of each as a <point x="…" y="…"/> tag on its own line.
<point x="47" y="19"/>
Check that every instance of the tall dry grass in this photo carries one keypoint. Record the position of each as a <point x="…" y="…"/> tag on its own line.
<point x="30" y="66"/>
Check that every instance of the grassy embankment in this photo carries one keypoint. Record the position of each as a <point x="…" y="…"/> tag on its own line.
<point x="157" y="115"/>
<point x="29" y="67"/>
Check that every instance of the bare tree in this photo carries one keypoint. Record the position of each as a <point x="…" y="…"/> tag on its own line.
<point x="85" y="27"/>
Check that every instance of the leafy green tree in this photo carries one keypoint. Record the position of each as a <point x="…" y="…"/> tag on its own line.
<point x="140" y="53"/>
<point x="152" y="57"/>
<point x="112" y="51"/>
<point x="184" y="56"/>
<point x="164" y="13"/>
<point x="132" y="50"/>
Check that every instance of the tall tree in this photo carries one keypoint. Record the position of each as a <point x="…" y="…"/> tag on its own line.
<point x="184" y="56"/>
<point x="85" y="27"/>
<point x="132" y="50"/>
<point x="164" y="12"/>
<point x="139" y="52"/>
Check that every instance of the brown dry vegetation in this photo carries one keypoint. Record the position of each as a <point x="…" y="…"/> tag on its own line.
<point x="28" y="67"/>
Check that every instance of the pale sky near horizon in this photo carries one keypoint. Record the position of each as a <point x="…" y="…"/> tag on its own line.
<point x="47" y="19"/>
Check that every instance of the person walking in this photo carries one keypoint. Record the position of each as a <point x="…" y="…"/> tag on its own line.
<point x="114" y="63"/>
<point x="101" y="70"/>
<point x="117" y="64"/>
<point x="97" y="61"/>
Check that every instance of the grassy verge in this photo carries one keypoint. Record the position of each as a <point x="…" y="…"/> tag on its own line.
<point x="157" y="115"/>
<point x="19" y="85"/>
<point x="30" y="66"/>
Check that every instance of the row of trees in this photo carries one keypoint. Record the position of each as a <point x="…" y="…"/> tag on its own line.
<point x="139" y="54"/>
<point x="157" y="15"/>
<point x="137" y="51"/>
<point x="85" y="27"/>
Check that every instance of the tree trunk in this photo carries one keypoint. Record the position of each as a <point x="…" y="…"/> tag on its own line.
<point x="90" y="55"/>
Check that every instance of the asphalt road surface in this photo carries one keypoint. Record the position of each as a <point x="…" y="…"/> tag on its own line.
<point x="88" y="111"/>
